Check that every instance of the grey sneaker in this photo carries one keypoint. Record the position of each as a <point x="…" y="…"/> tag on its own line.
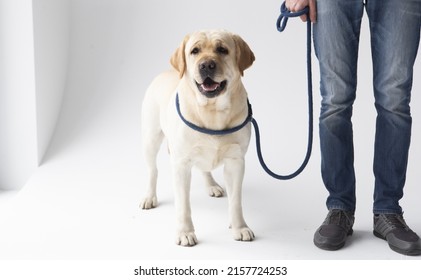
<point x="332" y="234"/>
<point x="393" y="229"/>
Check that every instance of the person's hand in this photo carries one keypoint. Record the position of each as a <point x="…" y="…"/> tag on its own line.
<point x="297" y="5"/>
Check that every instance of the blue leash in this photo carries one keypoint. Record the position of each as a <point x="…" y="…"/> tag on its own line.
<point x="281" y="24"/>
<point x="212" y="131"/>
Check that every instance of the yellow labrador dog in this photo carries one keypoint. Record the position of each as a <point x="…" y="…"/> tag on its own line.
<point x="205" y="90"/>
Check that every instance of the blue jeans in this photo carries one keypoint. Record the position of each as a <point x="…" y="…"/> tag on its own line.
<point x="395" y="35"/>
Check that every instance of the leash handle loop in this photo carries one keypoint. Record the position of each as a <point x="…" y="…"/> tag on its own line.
<point x="282" y="21"/>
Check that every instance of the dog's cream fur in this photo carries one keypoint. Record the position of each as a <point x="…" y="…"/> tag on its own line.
<point x="228" y="56"/>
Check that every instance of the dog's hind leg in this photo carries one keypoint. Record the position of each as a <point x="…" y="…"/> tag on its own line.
<point x="152" y="137"/>
<point x="150" y="148"/>
<point x="214" y="189"/>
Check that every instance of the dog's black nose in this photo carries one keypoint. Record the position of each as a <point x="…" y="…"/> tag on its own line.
<point x="207" y="68"/>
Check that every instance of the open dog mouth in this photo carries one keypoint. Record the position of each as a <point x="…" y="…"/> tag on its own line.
<point x="210" y="88"/>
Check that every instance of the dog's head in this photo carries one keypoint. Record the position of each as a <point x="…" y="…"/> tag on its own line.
<point x="212" y="61"/>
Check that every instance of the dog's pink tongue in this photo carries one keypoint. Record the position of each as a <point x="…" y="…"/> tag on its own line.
<point x="210" y="87"/>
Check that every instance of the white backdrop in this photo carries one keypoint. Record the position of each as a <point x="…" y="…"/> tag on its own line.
<point x="18" y="156"/>
<point x="34" y="40"/>
<point x="103" y="55"/>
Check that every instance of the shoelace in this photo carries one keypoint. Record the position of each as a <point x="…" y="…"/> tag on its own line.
<point x="396" y="221"/>
<point x="339" y="217"/>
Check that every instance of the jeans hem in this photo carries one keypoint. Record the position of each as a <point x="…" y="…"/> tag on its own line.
<point x="384" y="211"/>
<point x="332" y="207"/>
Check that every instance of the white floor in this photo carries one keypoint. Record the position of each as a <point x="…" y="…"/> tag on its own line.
<point x="82" y="203"/>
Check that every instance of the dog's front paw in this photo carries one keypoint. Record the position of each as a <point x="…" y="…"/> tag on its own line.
<point x="186" y="239"/>
<point x="149" y="203"/>
<point x="243" y="234"/>
<point x="215" y="191"/>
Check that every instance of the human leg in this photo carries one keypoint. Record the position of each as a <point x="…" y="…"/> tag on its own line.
<point x="336" y="40"/>
<point x="395" y="35"/>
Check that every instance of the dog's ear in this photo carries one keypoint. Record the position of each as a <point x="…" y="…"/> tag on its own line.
<point x="178" y="59"/>
<point x="245" y="57"/>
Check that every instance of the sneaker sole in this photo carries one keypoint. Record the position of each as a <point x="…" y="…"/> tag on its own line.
<point x="331" y="247"/>
<point x="397" y="249"/>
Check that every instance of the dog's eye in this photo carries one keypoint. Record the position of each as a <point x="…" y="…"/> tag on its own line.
<point x="195" y="51"/>
<point x="222" y="50"/>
